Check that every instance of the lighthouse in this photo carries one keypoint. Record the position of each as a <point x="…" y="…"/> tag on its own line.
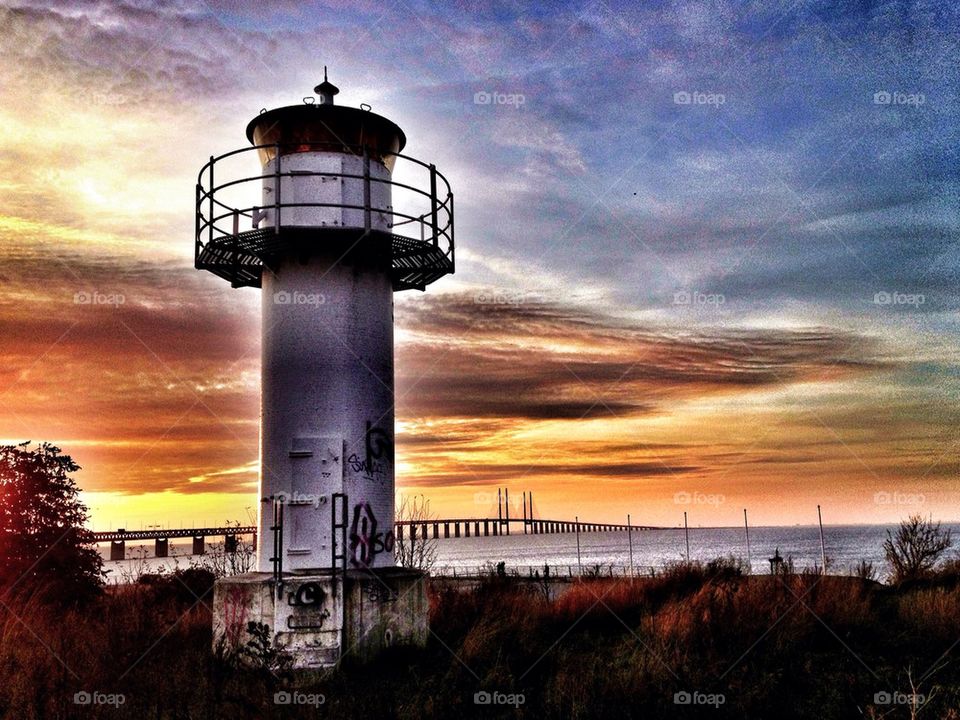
<point x="325" y="214"/>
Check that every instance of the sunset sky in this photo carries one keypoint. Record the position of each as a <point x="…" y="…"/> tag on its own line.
<point x="749" y="298"/>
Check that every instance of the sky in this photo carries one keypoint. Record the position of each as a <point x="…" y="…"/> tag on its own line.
<point x="706" y="251"/>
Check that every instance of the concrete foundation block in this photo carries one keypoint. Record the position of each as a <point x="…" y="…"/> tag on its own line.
<point x="319" y="618"/>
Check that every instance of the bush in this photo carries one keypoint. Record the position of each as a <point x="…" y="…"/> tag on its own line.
<point x="865" y="570"/>
<point x="916" y="548"/>
<point x="576" y="657"/>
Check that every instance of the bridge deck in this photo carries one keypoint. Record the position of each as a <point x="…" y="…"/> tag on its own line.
<point x="165" y="534"/>
<point x="536" y="525"/>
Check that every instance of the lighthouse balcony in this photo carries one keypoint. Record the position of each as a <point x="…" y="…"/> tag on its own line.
<point x="315" y="193"/>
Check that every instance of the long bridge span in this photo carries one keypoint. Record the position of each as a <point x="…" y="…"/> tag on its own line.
<point x="425" y="528"/>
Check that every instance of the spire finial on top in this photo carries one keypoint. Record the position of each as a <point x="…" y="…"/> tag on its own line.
<point x="326" y="90"/>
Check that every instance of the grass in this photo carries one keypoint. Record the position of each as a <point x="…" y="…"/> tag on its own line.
<point x="799" y="645"/>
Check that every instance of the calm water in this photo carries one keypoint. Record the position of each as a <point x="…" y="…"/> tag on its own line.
<point x="845" y="547"/>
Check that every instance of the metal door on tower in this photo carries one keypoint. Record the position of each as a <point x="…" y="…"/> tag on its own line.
<point x="316" y="473"/>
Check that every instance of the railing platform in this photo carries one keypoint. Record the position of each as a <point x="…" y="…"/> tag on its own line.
<point x="418" y="235"/>
<point x="241" y="258"/>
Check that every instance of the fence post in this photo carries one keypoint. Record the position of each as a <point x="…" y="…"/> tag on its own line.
<point x="433" y="206"/>
<point x="276" y="189"/>
<point x="366" y="189"/>
<point x="453" y="261"/>
<point x="196" y="235"/>
<point x="210" y="205"/>
<point x="236" y="246"/>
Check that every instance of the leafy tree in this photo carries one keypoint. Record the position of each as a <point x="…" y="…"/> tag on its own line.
<point x="44" y="543"/>
<point x="916" y="548"/>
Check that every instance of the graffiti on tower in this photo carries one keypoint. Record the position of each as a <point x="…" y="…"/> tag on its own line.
<point x="378" y="451"/>
<point x="365" y="540"/>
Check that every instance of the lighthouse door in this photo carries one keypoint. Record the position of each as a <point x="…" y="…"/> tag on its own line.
<point x="316" y="473"/>
<point x="311" y="190"/>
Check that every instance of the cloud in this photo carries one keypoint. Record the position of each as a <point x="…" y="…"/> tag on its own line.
<point x="151" y="369"/>
<point x="796" y="200"/>
<point x="548" y="360"/>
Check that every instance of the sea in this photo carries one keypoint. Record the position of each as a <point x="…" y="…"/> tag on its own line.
<point x="643" y="551"/>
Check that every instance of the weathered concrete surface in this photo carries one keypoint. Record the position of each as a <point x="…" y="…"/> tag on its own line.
<point x="385" y="607"/>
<point x="319" y="618"/>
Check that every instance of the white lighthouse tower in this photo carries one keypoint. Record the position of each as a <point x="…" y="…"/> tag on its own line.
<point x="334" y="221"/>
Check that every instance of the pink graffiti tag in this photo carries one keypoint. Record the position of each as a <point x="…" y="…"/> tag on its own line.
<point x="365" y="542"/>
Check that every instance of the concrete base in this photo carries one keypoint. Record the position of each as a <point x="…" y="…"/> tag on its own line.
<point x="319" y="618"/>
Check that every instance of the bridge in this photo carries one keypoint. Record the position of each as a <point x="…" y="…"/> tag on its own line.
<point x="501" y="525"/>
<point x="118" y="538"/>
<point x="486" y="527"/>
<point x="425" y="528"/>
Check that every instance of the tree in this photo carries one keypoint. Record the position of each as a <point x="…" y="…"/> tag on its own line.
<point x="916" y="548"/>
<point x="412" y="549"/>
<point x="44" y="543"/>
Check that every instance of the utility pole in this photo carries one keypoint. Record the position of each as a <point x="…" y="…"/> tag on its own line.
<point x="823" y="552"/>
<point x="746" y="532"/>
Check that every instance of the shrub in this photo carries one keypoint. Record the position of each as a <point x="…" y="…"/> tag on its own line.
<point x="865" y="570"/>
<point x="915" y="549"/>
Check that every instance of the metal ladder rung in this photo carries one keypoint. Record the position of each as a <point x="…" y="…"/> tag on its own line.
<point x="338" y="560"/>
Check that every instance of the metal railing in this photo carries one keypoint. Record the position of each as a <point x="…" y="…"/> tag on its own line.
<point x="217" y="220"/>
